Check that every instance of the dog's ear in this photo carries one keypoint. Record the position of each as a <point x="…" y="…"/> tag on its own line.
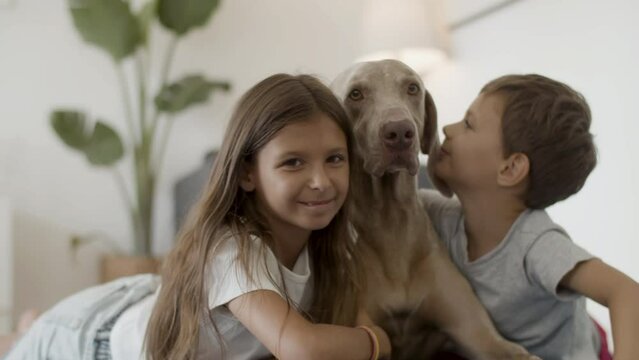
<point x="430" y="143"/>
<point x="430" y="139"/>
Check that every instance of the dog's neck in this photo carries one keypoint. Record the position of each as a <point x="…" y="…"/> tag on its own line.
<point x="398" y="189"/>
<point x="389" y="219"/>
<point x="379" y="201"/>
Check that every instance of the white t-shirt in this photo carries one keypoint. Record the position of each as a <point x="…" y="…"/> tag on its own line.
<point x="227" y="280"/>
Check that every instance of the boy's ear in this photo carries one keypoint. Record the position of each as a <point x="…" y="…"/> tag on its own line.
<point x="513" y="170"/>
<point x="247" y="178"/>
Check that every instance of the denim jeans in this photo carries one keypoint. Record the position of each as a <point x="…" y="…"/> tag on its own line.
<point x="67" y="331"/>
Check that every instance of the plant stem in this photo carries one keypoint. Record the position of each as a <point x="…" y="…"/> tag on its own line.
<point x="166" y="68"/>
<point x="134" y="214"/>
<point x="163" y="145"/>
<point x="145" y="186"/>
<point x="127" y="103"/>
<point x="168" y="59"/>
<point x="126" y="197"/>
<point x="140" y="69"/>
<point x="140" y="213"/>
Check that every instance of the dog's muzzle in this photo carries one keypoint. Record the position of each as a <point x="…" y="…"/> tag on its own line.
<point x="398" y="140"/>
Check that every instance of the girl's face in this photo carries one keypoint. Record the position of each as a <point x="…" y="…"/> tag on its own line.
<point x="300" y="177"/>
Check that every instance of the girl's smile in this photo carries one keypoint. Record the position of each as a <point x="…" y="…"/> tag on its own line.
<point x="300" y="177"/>
<point x="320" y="204"/>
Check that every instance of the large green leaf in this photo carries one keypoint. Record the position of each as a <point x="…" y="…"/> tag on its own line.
<point x="105" y="147"/>
<point x="109" y="24"/>
<point x="180" y="16"/>
<point x="189" y="90"/>
<point x="70" y="125"/>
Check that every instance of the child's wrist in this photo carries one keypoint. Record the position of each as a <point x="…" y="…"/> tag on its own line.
<point x="374" y="340"/>
<point x="384" y="342"/>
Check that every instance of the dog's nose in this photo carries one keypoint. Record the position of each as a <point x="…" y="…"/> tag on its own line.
<point x="398" y="135"/>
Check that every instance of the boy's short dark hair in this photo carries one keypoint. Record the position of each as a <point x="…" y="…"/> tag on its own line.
<point x="550" y="123"/>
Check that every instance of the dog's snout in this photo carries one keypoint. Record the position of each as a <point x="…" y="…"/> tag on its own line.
<point x="398" y="135"/>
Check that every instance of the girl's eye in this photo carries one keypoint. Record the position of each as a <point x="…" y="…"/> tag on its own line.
<point x="336" y="159"/>
<point x="356" y="95"/>
<point x="467" y="124"/>
<point x="292" y="163"/>
<point x="413" y="89"/>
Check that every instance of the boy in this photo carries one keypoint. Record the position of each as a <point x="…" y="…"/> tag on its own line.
<point x="523" y="145"/>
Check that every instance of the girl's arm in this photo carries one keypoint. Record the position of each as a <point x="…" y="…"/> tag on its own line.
<point x="288" y="335"/>
<point x="612" y="288"/>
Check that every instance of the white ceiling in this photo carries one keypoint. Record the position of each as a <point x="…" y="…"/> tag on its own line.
<point x="462" y="9"/>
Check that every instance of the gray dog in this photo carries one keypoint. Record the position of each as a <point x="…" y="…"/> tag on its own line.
<point x="412" y="288"/>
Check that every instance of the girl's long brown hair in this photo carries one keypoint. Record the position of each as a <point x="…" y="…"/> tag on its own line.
<point x="182" y="305"/>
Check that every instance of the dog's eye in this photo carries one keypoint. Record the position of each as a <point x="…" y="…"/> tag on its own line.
<point x="356" y="95"/>
<point x="413" y="89"/>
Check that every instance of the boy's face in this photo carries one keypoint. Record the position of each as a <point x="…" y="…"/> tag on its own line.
<point x="472" y="150"/>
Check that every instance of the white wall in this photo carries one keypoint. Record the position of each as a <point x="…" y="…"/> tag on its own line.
<point x="589" y="44"/>
<point x="6" y="266"/>
<point x="44" y="64"/>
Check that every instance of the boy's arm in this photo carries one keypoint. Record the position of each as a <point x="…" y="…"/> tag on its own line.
<point x="288" y="335"/>
<point x="612" y="288"/>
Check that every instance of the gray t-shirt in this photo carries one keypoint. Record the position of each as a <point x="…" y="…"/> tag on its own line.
<point x="518" y="281"/>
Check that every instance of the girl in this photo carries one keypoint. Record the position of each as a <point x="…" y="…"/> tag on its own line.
<point x="263" y="265"/>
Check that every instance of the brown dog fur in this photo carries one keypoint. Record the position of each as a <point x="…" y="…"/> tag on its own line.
<point x="412" y="288"/>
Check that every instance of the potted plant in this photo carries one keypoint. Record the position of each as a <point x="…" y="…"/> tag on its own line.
<point x="123" y="33"/>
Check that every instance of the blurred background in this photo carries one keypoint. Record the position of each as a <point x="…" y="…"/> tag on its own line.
<point x="49" y="194"/>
